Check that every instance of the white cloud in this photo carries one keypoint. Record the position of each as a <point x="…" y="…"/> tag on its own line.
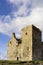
<point x="18" y="1"/>
<point x="26" y="7"/>
<point x="37" y="3"/>
<point x="36" y="18"/>
<point x="11" y="26"/>
<point x="15" y="24"/>
<point x="23" y="6"/>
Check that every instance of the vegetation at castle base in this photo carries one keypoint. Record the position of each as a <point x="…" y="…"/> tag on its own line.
<point x="6" y="62"/>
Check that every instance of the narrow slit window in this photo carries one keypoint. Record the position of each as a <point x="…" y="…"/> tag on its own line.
<point x="26" y="33"/>
<point x="10" y="42"/>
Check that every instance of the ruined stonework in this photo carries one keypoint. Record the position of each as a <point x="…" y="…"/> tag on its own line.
<point x="28" y="47"/>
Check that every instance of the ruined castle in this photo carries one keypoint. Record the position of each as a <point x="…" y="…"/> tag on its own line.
<point x="28" y="47"/>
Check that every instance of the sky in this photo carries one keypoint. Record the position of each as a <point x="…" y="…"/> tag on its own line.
<point x="16" y="14"/>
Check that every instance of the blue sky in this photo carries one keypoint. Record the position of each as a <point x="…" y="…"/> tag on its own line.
<point x="14" y="15"/>
<point x="5" y="8"/>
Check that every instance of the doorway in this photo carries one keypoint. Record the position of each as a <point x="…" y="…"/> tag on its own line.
<point x="17" y="58"/>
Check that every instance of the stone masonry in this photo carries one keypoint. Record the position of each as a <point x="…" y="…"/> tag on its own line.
<point x="28" y="47"/>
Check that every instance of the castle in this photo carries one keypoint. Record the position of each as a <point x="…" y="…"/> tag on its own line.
<point x="28" y="47"/>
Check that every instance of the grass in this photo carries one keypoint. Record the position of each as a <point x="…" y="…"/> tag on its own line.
<point x="7" y="62"/>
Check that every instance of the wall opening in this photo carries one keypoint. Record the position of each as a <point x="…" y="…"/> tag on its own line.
<point x="17" y="58"/>
<point x="26" y="33"/>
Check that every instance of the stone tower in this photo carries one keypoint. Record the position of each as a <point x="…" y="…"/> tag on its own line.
<point x="28" y="47"/>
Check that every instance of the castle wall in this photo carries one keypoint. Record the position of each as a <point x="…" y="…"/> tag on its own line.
<point x="36" y="43"/>
<point x="27" y="43"/>
<point x="12" y="49"/>
<point x="29" y="47"/>
<point x="41" y="47"/>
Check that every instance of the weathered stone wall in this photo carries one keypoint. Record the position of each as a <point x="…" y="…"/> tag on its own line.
<point x="12" y="49"/>
<point x="36" y="43"/>
<point x="27" y="43"/>
<point x="29" y="47"/>
<point x="22" y="51"/>
<point x="41" y="47"/>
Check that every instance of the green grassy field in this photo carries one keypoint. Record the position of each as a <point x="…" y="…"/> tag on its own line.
<point x="6" y="62"/>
